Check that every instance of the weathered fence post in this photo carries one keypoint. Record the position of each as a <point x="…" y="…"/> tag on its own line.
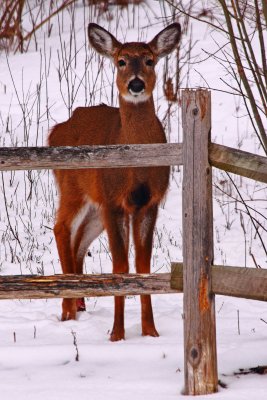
<point x="199" y="313"/>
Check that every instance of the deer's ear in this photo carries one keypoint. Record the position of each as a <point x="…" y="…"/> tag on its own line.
<point x="166" y="41"/>
<point x="102" y="41"/>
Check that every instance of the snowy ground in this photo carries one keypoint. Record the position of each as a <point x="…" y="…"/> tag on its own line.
<point x="37" y="351"/>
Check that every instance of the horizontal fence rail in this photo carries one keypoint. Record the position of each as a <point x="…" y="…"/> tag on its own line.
<point x="117" y="156"/>
<point x="69" y="286"/>
<point x="249" y="283"/>
<point x="238" y="162"/>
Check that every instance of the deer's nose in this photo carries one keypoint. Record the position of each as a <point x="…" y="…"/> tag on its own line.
<point x="136" y="86"/>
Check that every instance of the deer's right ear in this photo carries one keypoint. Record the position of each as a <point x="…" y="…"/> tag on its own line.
<point x="166" y="41"/>
<point x="102" y="41"/>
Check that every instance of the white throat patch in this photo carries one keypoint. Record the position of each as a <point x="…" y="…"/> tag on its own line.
<point x="136" y="98"/>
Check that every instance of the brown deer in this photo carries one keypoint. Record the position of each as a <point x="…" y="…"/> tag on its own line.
<point x="96" y="199"/>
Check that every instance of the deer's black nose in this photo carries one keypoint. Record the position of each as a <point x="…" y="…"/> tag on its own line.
<point x="136" y="86"/>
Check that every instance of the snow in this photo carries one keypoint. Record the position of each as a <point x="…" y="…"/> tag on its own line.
<point x="41" y="363"/>
<point x="37" y="350"/>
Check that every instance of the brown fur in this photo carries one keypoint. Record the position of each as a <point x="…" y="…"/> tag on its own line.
<point x="110" y="196"/>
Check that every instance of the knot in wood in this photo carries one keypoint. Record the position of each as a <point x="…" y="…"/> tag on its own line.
<point x="124" y="148"/>
<point x="195" y="356"/>
<point x="195" y="111"/>
<point x="194" y="353"/>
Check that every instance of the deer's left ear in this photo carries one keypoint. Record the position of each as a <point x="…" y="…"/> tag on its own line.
<point x="166" y="41"/>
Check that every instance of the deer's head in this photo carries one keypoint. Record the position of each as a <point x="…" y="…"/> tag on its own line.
<point x="135" y="61"/>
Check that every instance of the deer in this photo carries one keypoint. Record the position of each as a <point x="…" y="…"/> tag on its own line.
<point x="94" y="200"/>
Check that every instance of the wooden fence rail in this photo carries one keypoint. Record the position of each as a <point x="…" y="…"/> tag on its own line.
<point x="38" y="287"/>
<point x="248" y="283"/>
<point x="117" y="156"/>
<point x="245" y="283"/>
<point x="238" y="162"/>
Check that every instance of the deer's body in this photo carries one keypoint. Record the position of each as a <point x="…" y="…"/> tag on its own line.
<point x="96" y="199"/>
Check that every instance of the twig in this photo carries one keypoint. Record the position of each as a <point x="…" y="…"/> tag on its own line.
<point x="65" y="4"/>
<point x="75" y="345"/>
<point x="247" y="208"/>
<point x="242" y="74"/>
<point x="198" y="19"/>
<point x="238" y="323"/>
<point x="15" y="234"/>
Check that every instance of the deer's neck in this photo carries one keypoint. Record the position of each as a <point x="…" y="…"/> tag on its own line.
<point x="139" y="123"/>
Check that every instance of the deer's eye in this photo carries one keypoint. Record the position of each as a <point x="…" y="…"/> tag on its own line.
<point x="121" y="63"/>
<point x="150" y="62"/>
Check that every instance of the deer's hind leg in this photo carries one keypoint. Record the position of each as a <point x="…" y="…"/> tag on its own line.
<point x="144" y="220"/>
<point x="77" y="225"/>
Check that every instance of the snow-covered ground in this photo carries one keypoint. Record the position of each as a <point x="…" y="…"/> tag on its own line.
<point x="37" y="350"/>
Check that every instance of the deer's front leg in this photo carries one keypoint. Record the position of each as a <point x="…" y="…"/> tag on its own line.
<point x="143" y="228"/>
<point x="117" y="225"/>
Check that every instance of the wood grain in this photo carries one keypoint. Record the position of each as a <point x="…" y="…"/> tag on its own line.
<point x="200" y="361"/>
<point x="36" y="287"/>
<point x="249" y="283"/>
<point x="238" y="162"/>
<point x="116" y="156"/>
<point x="246" y="283"/>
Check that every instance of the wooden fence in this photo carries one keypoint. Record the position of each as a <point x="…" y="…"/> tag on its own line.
<point x="197" y="277"/>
